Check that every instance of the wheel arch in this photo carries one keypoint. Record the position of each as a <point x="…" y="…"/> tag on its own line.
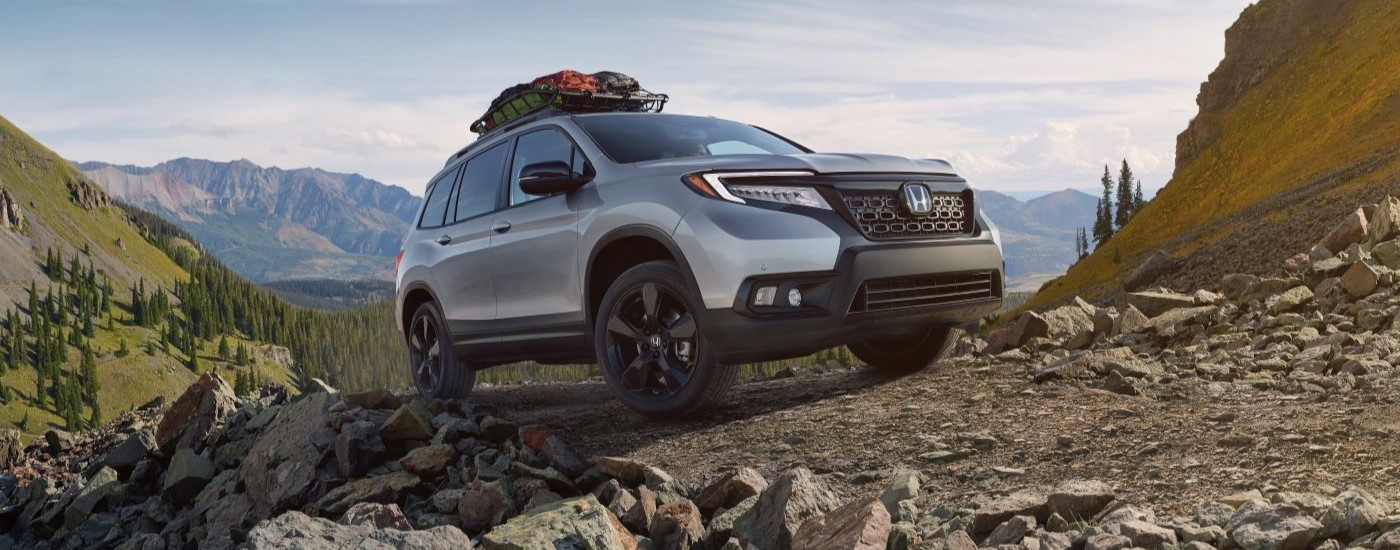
<point x="620" y="250"/>
<point x="415" y="295"/>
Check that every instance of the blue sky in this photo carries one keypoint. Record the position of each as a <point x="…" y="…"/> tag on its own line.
<point x="1019" y="94"/>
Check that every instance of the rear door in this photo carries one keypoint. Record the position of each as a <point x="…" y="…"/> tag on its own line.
<point x="535" y="250"/>
<point x="466" y="273"/>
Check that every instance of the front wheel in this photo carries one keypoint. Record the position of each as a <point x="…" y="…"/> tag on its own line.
<point x="909" y="354"/>
<point x="432" y="362"/>
<point x="649" y="343"/>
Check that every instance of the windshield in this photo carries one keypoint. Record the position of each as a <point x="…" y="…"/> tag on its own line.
<point x="639" y="138"/>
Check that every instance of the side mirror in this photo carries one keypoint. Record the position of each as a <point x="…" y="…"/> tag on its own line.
<point x="550" y="177"/>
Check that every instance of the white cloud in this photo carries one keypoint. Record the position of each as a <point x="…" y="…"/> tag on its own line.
<point x="203" y="127"/>
<point x="364" y="142"/>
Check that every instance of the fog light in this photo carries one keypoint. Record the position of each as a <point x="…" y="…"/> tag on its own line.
<point x="794" y="297"/>
<point x="765" y="295"/>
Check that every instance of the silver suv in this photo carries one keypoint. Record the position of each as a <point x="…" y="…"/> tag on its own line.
<point x="670" y="249"/>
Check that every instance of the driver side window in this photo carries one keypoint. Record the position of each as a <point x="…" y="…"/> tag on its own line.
<point x="536" y="147"/>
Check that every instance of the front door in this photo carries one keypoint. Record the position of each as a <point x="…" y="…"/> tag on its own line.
<point x="535" y="250"/>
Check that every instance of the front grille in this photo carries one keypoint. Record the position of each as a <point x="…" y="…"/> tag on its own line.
<point x="879" y="214"/>
<point x="925" y="290"/>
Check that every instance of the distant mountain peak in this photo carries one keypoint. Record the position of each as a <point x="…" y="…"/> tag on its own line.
<point x="268" y="223"/>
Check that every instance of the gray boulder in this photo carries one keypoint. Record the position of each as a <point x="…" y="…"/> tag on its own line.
<point x="1353" y="514"/>
<point x="358" y="448"/>
<point x="196" y="414"/>
<point x="383" y="489"/>
<point x="1156" y="303"/>
<point x="280" y="468"/>
<point x="796" y="496"/>
<point x="578" y="523"/>
<point x="295" y="530"/>
<point x="861" y="525"/>
<point x="132" y="451"/>
<point x="1259" y="526"/>
<point x="187" y="475"/>
<point x="731" y="489"/>
<point x="1350" y="231"/>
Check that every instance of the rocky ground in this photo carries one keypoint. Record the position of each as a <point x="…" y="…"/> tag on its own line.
<point x="1260" y="417"/>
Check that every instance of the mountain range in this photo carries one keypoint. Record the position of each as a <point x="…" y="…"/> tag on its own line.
<point x="1299" y="123"/>
<point x="104" y="306"/>
<point x="1038" y="234"/>
<point x="272" y="224"/>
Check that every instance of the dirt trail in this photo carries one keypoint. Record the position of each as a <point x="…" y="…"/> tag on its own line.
<point x="961" y="422"/>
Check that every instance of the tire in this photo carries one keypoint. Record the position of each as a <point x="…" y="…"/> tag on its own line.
<point x="907" y="355"/>
<point x="651" y="347"/>
<point x="432" y="363"/>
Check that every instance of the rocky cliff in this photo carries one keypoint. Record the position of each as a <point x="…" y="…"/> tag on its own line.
<point x="1300" y="120"/>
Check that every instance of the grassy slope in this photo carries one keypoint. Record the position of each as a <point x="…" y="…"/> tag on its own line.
<point x="36" y="177"/>
<point x="1335" y="105"/>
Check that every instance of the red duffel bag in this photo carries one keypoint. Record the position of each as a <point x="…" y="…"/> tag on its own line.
<point x="571" y="81"/>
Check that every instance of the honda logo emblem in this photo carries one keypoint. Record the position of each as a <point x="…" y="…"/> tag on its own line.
<point x="917" y="199"/>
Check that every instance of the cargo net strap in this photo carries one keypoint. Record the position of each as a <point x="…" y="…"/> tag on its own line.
<point x="537" y="98"/>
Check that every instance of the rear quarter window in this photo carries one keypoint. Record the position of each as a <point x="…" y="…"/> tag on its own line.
<point x="439" y="196"/>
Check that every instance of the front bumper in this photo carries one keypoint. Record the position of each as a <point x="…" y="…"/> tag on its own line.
<point x="732" y="249"/>
<point x="743" y="336"/>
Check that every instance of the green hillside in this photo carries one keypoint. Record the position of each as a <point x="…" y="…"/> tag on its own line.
<point x="104" y="306"/>
<point x="1307" y="97"/>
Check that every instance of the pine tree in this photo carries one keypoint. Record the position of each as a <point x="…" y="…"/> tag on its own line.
<point x="1138" y="201"/>
<point x="242" y="356"/>
<point x="87" y="373"/>
<point x="87" y="325"/>
<point x="33" y="306"/>
<point x="223" y="348"/>
<point x="1103" y="223"/>
<point x="1124" y="211"/>
<point x="122" y="350"/>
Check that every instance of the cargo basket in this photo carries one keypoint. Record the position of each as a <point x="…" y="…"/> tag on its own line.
<point x="546" y="97"/>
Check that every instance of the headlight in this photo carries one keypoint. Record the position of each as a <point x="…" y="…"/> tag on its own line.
<point x="715" y="185"/>
<point x="800" y="196"/>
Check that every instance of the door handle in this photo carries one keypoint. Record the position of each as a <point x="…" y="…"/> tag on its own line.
<point x="444" y="240"/>
<point x="500" y="227"/>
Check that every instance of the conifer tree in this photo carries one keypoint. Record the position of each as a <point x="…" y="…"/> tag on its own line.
<point x="122" y="350"/>
<point x="87" y="373"/>
<point x="223" y="348"/>
<point x="242" y="357"/>
<point x="1124" y="210"/>
<point x="1103" y="223"/>
<point x="1138" y="201"/>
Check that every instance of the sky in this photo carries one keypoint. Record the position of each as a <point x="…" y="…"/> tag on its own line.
<point x="1021" y="95"/>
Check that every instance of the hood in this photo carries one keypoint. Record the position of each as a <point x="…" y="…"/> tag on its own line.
<point x="821" y="163"/>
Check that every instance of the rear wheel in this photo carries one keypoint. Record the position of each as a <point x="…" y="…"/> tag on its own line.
<point x="649" y="343"/>
<point x="907" y="354"/>
<point x="433" y="364"/>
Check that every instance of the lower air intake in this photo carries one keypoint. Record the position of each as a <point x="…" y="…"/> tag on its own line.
<point x="925" y="290"/>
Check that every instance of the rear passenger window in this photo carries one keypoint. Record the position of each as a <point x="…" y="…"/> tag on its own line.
<point x="481" y="183"/>
<point x="435" y="213"/>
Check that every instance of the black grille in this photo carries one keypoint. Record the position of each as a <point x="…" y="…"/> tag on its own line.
<point x="879" y="214"/>
<point x="925" y="290"/>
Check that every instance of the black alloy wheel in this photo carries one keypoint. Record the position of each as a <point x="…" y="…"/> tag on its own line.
<point x="425" y="355"/>
<point x="652" y="335"/>
<point x="651" y="344"/>
<point x="432" y="362"/>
